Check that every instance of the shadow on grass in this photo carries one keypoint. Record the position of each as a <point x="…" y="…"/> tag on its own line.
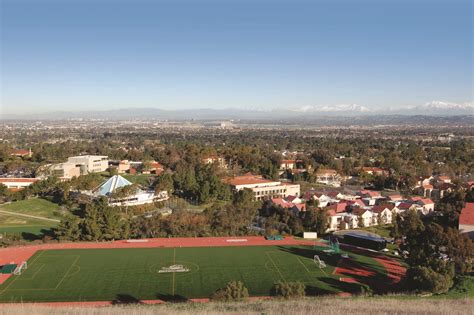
<point x="363" y="272"/>
<point x="329" y="258"/>
<point x="317" y="291"/>
<point x="27" y="236"/>
<point x="341" y="286"/>
<point x="125" y="299"/>
<point x="172" y="298"/>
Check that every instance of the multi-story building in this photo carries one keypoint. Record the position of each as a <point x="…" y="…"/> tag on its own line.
<point x="65" y="170"/>
<point x="90" y="163"/>
<point x="263" y="188"/>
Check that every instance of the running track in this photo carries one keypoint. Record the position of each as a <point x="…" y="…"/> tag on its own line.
<point x="18" y="254"/>
<point x="23" y="253"/>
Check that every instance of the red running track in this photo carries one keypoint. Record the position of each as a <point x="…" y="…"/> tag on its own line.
<point x="349" y="268"/>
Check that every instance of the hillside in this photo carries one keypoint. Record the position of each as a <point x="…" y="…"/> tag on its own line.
<point x="308" y="306"/>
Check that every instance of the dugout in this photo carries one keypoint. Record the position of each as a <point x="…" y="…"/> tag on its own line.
<point x="6" y="269"/>
<point x="365" y="240"/>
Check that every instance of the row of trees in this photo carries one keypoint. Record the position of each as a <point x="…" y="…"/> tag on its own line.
<point x="95" y="222"/>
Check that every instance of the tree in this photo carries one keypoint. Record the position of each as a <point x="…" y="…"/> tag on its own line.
<point x="164" y="182"/>
<point x="460" y="249"/>
<point x="233" y="291"/>
<point x="68" y="229"/>
<point x="4" y="191"/>
<point x="111" y="228"/>
<point x="91" y="228"/>
<point x="315" y="220"/>
<point x="450" y="206"/>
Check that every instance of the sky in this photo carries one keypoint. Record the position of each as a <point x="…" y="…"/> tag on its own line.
<point x="72" y="55"/>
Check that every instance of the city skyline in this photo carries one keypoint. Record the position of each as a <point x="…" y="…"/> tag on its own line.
<point x="103" y="55"/>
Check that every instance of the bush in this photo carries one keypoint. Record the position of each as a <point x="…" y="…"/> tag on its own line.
<point x="425" y="279"/>
<point x="289" y="290"/>
<point x="364" y="289"/>
<point x="233" y="291"/>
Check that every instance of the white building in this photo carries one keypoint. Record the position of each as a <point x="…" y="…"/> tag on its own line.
<point x="15" y="184"/>
<point x="138" y="197"/>
<point x="90" y="163"/>
<point x="263" y="188"/>
<point x="328" y="177"/>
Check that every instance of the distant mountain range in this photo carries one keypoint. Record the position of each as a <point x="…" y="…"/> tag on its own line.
<point x="435" y="108"/>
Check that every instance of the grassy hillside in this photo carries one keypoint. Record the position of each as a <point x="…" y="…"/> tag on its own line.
<point x="17" y="224"/>
<point x="36" y="206"/>
<point x="16" y="216"/>
<point x="327" y="305"/>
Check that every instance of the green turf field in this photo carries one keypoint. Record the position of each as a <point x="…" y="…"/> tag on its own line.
<point x="129" y="274"/>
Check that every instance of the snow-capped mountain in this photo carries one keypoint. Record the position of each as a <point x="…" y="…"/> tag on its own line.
<point x="352" y="108"/>
<point x="448" y="105"/>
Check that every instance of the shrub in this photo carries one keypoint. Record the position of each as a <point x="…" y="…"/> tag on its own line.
<point x="425" y="279"/>
<point x="364" y="289"/>
<point x="233" y="291"/>
<point x="289" y="290"/>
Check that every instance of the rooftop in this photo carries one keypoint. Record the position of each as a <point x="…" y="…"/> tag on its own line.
<point x="467" y="214"/>
<point x="247" y="179"/>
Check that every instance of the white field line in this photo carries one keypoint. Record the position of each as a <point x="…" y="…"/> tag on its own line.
<point x="29" y="216"/>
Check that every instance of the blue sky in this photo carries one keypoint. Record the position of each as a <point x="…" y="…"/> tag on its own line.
<point x="104" y="54"/>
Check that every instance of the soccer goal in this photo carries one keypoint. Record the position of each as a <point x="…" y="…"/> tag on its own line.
<point x="320" y="262"/>
<point x="19" y="269"/>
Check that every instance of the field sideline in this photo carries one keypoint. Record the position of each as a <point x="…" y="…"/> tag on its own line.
<point x="124" y="272"/>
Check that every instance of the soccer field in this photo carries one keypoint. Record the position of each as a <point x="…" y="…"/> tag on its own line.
<point x="134" y="274"/>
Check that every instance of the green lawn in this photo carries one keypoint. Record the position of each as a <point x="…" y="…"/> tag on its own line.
<point x="463" y="288"/>
<point x="382" y="230"/>
<point x="36" y="206"/>
<point x="12" y="223"/>
<point x="132" y="274"/>
<point x="141" y="179"/>
<point x="16" y="224"/>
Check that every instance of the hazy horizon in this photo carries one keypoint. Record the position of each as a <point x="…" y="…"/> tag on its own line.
<point x="85" y="55"/>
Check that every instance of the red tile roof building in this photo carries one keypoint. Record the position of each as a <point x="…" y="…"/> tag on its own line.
<point x="15" y="184"/>
<point x="466" y="219"/>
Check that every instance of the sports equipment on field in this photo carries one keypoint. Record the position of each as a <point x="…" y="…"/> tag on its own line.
<point x="18" y="270"/>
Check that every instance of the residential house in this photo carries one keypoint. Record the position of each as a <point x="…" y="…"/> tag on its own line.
<point x="214" y="159"/>
<point x="336" y="220"/>
<point x="295" y="207"/>
<point x="376" y="171"/>
<point x="444" y="179"/>
<point x="370" y="197"/>
<point x="323" y="200"/>
<point x="366" y="217"/>
<point x="21" y="153"/>
<point x="427" y="205"/>
<point x="384" y="213"/>
<point x="328" y="177"/>
<point x="287" y="165"/>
